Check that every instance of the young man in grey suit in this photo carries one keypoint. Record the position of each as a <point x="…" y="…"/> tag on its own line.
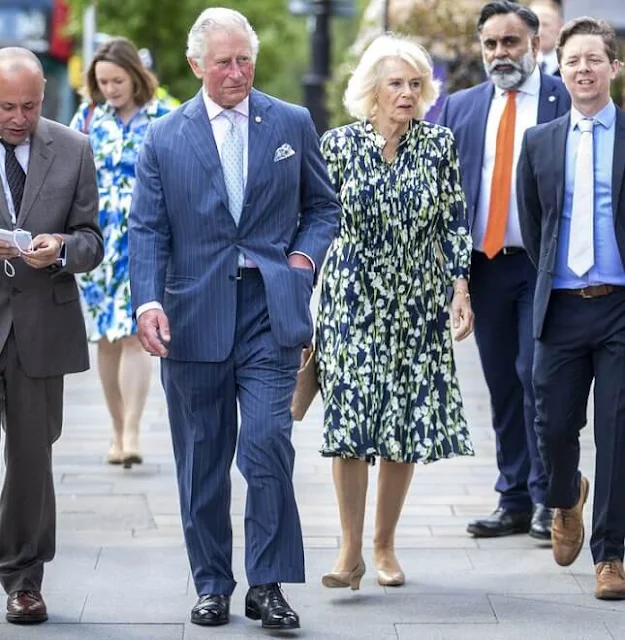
<point x="231" y="218"/>
<point x="49" y="189"/>
<point x="571" y="198"/>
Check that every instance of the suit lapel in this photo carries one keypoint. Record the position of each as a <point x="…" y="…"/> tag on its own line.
<point x="547" y="100"/>
<point x="558" y="148"/>
<point x="478" y="118"/>
<point x="199" y="133"/>
<point x="5" y="216"/>
<point x="260" y="127"/>
<point x="618" y="164"/>
<point x="41" y="158"/>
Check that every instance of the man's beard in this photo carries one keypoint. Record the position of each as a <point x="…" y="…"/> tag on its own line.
<point x="513" y="79"/>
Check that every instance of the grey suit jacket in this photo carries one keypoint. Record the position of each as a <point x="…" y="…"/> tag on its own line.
<point x="540" y="195"/>
<point x="60" y="196"/>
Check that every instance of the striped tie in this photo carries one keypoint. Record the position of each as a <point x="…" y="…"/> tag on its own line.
<point x="15" y="176"/>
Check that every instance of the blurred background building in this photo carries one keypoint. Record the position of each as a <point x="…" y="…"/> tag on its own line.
<point x="39" y="25"/>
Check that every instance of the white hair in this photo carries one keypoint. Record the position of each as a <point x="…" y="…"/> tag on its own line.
<point x="360" y="95"/>
<point x="218" y="19"/>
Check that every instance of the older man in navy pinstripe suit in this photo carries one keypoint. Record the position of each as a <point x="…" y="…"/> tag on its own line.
<point x="232" y="215"/>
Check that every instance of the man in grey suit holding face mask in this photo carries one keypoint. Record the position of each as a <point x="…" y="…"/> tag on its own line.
<point x="48" y="189"/>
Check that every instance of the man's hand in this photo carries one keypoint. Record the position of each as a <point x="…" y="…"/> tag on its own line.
<point x="461" y="312"/>
<point x="46" y="251"/>
<point x="153" y="328"/>
<point x="7" y="251"/>
<point x="298" y="261"/>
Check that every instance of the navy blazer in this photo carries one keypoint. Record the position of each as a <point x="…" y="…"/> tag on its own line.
<point x="466" y="114"/>
<point x="540" y="196"/>
<point x="184" y="244"/>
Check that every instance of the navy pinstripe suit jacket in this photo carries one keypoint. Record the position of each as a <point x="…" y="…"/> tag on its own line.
<point x="184" y="244"/>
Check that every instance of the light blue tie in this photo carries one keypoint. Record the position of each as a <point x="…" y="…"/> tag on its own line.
<point x="232" y="164"/>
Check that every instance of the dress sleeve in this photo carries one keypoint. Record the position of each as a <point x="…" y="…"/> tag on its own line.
<point x="453" y="228"/>
<point x="78" y="121"/>
<point x="331" y="144"/>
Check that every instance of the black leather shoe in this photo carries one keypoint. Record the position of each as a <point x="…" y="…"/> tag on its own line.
<point x="211" y="611"/>
<point x="502" y="522"/>
<point x="266" y="602"/>
<point x="541" y="522"/>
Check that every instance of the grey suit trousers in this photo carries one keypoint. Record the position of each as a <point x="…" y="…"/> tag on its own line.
<point x="32" y="414"/>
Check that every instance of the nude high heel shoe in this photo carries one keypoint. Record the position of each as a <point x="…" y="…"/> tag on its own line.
<point x="390" y="579"/>
<point x="343" y="579"/>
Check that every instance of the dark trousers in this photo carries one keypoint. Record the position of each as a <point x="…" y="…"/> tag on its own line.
<point x="202" y="402"/>
<point x="584" y="340"/>
<point x="502" y="295"/>
<point x="32" y="415"/>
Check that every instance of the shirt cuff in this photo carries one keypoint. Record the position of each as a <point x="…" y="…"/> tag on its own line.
<point x="148" y="306"/>
<point x="301" y="253"/>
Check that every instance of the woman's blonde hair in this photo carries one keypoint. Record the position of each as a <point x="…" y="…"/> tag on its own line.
<point x="360" y="95"/>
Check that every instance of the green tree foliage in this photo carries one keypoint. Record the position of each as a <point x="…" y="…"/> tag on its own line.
<point x="162" y="27"/>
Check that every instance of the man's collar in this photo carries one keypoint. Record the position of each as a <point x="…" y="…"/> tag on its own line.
<point x="605" y="117"/>
<point x="531" y="85"/>
<point x="213" y="109"/>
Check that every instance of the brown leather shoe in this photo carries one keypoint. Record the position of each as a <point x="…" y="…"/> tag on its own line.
<point x="26" y="607"/>
<point x="610" y="580"/>
<point x="567" y="529"/>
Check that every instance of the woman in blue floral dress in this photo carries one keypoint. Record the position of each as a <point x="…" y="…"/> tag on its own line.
<point x="121" y="105"/>
<point x="384" y="332"/>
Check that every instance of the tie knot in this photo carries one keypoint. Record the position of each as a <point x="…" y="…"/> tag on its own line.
<point x="231" y="116"/>
<point x="8" y="146"/>
<point x="585" y="125"/>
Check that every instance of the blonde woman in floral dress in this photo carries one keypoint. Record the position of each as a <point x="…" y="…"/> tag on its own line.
<point x="384" y="329"/>
<point x="121" y="105"/>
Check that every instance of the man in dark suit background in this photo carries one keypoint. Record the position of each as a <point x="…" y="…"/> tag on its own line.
<point x="48" y="187"/>
<point x="488" y="122"/>
<point x="231" y="218"/>
<point x="550" y="18"/>
<point x="572" y="209"/>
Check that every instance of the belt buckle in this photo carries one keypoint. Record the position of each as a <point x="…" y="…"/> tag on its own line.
<point x="239" y="273"/>
<point x="584" y="293"/>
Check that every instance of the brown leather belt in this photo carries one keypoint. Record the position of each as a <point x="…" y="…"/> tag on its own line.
<point x="592" y="291"/>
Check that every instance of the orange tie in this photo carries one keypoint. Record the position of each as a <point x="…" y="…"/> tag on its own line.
<point x="502" y="180"/>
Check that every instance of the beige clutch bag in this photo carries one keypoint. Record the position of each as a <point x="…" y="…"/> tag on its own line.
<point x="307" y="384"/>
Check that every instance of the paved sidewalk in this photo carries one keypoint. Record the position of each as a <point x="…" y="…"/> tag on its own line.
<point x="121" y="571"/>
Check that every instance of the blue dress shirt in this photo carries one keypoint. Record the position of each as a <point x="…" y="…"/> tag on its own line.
<point x="608" y="266"/>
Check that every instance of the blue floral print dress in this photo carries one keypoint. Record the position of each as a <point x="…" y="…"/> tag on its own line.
<point x="384" y="344"/>
<point x="106" y="290"/>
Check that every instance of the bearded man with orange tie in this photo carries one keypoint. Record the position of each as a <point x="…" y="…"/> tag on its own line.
<point x="488" y="122"/>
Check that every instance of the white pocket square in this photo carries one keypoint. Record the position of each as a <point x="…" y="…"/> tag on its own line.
<point x="283" y="152"/>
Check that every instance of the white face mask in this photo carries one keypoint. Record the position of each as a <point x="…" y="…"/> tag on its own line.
<point x="21" y="240"/>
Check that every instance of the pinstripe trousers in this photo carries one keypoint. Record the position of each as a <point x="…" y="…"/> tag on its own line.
<point x="202" y="404"/>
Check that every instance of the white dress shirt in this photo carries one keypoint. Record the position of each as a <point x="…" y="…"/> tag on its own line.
<point x="526" y="117"/>
<point x="220" y="124"/>
<point x="22" y="153"/>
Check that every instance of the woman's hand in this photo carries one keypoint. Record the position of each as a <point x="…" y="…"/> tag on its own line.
<point x="461" y="312"/>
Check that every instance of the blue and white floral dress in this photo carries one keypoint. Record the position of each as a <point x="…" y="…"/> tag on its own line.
<point x="106" y="290"/>
<point x="384" y="345"/>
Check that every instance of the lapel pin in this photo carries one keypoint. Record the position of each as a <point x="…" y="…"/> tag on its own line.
<point x="258" y="119"/>
<point x="552" y="98"/>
